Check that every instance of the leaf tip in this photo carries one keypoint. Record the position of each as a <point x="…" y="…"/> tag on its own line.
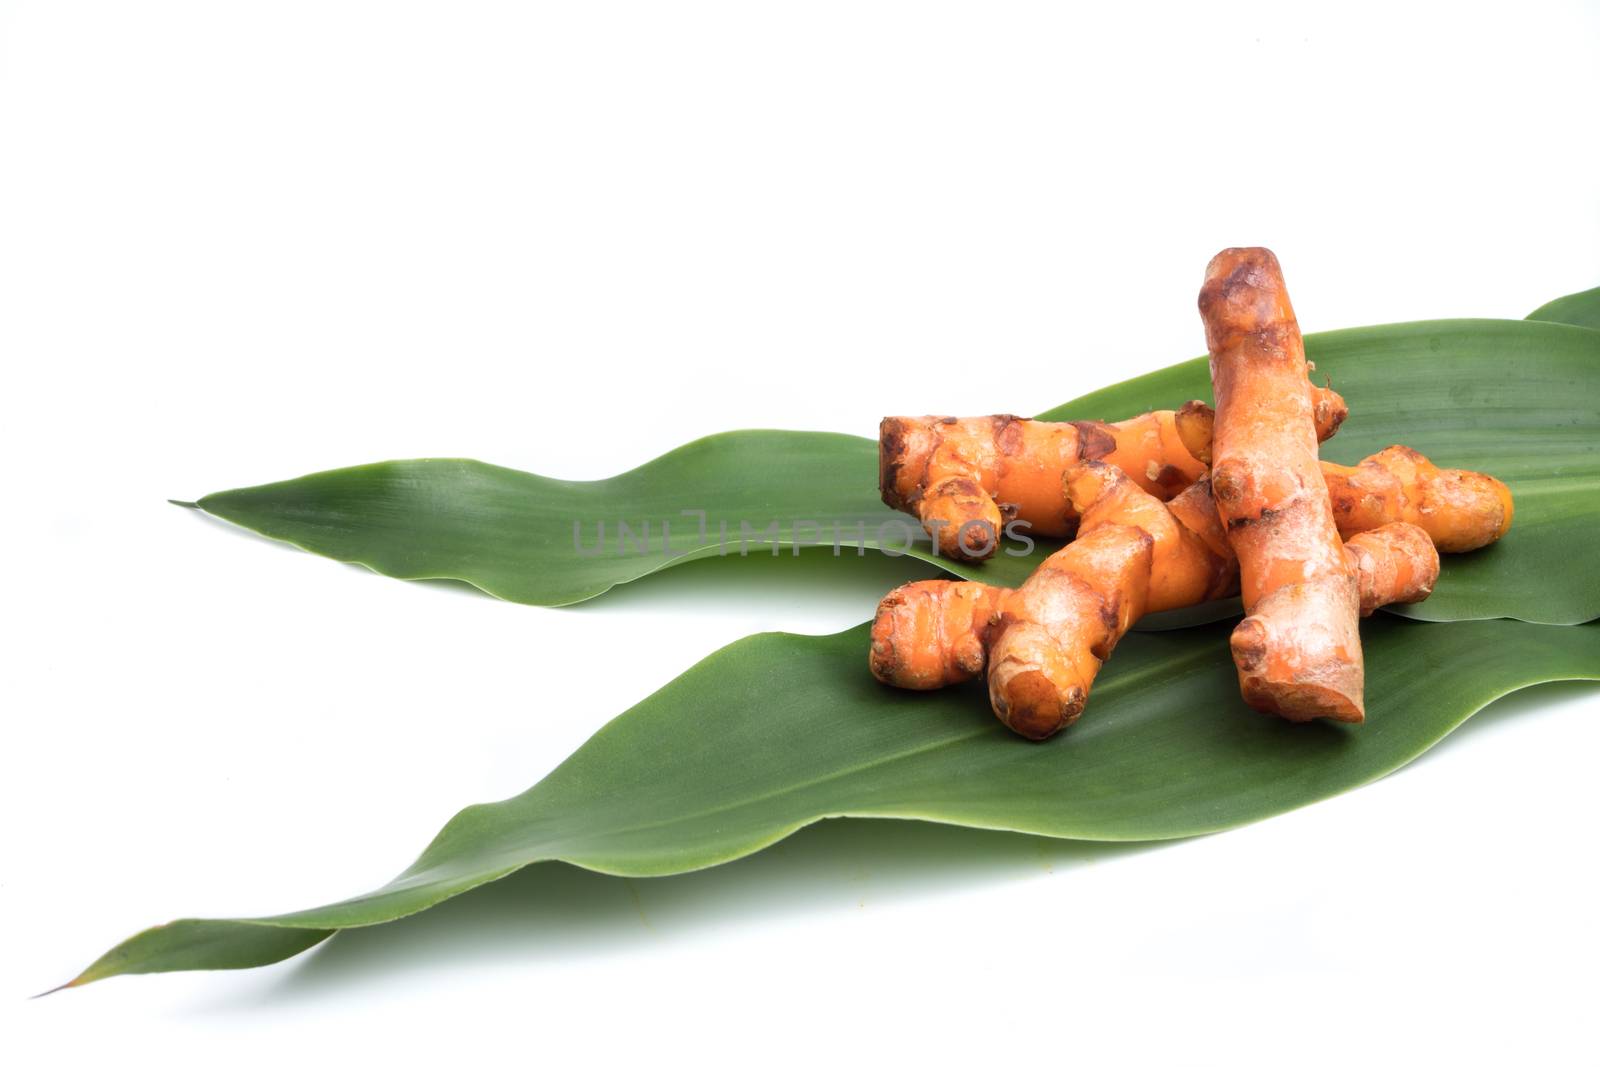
<point x="186" y="504"/>
<point x="82" y="979"/>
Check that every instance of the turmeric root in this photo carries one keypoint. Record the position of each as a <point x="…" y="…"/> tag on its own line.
<point x="1461" y="510"/>
<point x="1048" y="639"/>
<point x="951" y="472"/>
<point x="1061" y="625"/>
<point x="964" y="477"/>
<point x="935" y="633"/>
<point x="1044" y="642"/>
<point x="1193" y="562"/>
<point x="1396" y="563"/>
<point x="1188" y="565"/>
<point x="1298" y="651"/>
<point x="1195" y="421"/>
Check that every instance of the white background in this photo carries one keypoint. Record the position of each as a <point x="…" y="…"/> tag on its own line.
<point x="241" y="242"/>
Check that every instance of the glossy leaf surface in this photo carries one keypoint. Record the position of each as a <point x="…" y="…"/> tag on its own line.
<point x="1520" y="400"/>
<point x="777" y="731"/>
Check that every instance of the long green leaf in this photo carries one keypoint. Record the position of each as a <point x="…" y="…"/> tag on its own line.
<point x="1579" y="309"/>
<point x="778" y="731"/>
<point x="1520" y="400"/>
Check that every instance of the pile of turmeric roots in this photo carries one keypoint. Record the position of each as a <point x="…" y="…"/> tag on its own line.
<point x="1167" y="510"/>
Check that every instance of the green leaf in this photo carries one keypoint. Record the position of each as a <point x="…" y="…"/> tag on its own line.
<point x="1519" y="400"/>
<point x="777" y="731"/>
<point x="1579" y="309"/>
